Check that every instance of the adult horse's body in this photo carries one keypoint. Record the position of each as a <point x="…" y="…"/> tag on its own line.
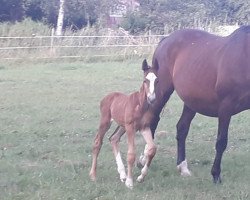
<point x="211" y="74"/>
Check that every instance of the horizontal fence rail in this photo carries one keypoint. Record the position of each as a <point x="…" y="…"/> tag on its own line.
<point x="85" y="47"/>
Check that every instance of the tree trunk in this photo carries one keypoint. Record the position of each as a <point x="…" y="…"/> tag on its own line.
<point x="60" y="18"/>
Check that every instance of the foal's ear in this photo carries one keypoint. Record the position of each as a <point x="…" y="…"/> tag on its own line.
<point x="145" y="65"/>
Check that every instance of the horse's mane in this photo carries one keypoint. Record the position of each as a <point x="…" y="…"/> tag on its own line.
<point x="163" y="39"/>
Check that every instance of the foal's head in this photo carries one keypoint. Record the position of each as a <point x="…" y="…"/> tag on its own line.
<point x="150" y="81"/>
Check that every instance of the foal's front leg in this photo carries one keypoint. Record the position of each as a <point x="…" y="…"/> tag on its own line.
<point x="130" y="155"/>
<point x="149" y="152"/>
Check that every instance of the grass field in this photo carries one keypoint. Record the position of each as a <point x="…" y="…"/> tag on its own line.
<point x="49" y="114"/>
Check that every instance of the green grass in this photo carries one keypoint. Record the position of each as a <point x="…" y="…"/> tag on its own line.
<point x="49" y="115"/>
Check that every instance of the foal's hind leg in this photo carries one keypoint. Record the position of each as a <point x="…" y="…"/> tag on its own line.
<point x="149" y="152"/>
<point x="114" y="140"/>
<point x="103" y="128"/>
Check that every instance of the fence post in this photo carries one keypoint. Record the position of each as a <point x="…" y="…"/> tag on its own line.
<point x="149" y="42"/>
<point x="52" y="50"/>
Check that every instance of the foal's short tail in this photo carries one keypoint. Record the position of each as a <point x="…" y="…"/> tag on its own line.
<point x="116" y="130"/>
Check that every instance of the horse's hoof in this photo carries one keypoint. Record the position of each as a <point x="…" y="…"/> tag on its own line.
<point x="183" y="169"/>
<point x="186" y="173"/>
<point x="129" y="183"/>
<point x="216" y="179"/>
<point x="140" y="179"/>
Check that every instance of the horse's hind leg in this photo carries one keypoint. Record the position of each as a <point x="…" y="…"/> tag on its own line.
<point x="114" y="140"/>
<point x="182" y="131"/>
<point x="224" y="117"/>
<point x="103" y="128"/>
<point x="149" y="153"/>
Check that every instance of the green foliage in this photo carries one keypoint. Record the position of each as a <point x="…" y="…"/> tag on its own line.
<point x="11" y="10"/>
<point x="33" y="9"/>
<point x="75" y="14"/>
<point x="162" y="16"/>
<point x="135" y="23"/>
<point x="240" y="11"/>
<point x="159" y="16"/>
<point x="25" y="28"/>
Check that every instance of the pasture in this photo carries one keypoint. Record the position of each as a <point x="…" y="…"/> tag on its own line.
<point x="49" y="114"/>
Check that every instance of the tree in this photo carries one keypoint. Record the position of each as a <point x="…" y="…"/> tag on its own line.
<point x="34" y="10"/>
<point x="159" y="16"/>
<point x="11" y="10"/>
<point x="60" y="18"/>
<point x="240" y="11"/>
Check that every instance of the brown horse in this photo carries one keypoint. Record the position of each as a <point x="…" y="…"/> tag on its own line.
<point x="211" y="74"/>
<point x="132" y="113"/>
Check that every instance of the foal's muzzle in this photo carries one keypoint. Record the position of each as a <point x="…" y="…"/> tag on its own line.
<point x="151" y="98"/>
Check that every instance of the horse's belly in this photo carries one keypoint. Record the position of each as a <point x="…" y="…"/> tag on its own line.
<point x="195" y="84"/>
<point x="203" y="102"/>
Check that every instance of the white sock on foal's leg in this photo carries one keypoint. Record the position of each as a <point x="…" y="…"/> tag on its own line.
<point x="129" y="183"/>
<point x="144" y="172"/>
<point x="120" y="167"/>
<point x="143" y="158"/>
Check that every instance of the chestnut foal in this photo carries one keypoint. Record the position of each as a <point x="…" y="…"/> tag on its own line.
<point x="132" y="113"/>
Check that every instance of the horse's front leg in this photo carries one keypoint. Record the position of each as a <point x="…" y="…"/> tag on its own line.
<point x="182" y="131"/>
<point x="149" y="152"/>
<point x="130" y="155"/>
<point x="114" y="140"/>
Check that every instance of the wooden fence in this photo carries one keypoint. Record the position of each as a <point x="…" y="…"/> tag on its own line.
<point x="83" y="47"/>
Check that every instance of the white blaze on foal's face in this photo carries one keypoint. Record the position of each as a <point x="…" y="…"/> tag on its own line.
<point x="151" y="77"/>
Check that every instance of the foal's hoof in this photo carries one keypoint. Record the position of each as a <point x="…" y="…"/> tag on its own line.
<point x="140" y="179"/>
<point x="129" y="183"/>
<point x="216" y="179"/>
<point x="92" y="177"/>
<point x="123" y="178"/>
<point x="123" y="175"/>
